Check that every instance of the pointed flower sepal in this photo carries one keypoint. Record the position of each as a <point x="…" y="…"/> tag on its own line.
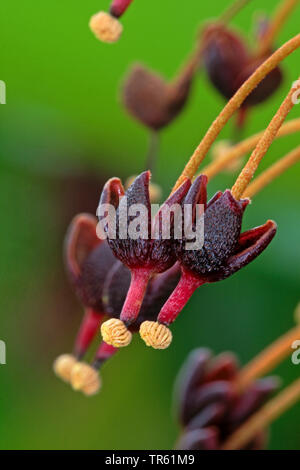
<point x="225" y="250"/>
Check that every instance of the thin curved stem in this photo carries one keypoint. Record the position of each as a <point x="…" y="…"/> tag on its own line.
<point x="273" y="172"/>
<point x="265" y="142"/>
<point x="152" y="153"/>
<point x="265" y="416"/>
<point x="244" y="147"/>
<point x="233" y="10"/>
<point x="267" y="360"/>
<point x="281" y="15"/>
<point x="231" y="107"/>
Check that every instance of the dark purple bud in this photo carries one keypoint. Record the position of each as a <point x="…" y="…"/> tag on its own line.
<point x="225" y="56"/>
<point x="153" y="101"/>
<point x="267" y="87"/>
<point x="209" y="400"/>
<point x="229" y="63"/>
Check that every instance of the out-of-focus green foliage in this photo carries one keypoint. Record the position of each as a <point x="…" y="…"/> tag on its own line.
<point x="64" y="122"/>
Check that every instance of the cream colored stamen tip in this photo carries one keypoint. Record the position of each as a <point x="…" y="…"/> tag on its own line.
<point x="115" y="333"/>
<point x="297" y="314"/>
<point x="64" y="365"/>
<point x="155" y="334"/>
<point x="85" y="378"/>
<point x="106" y="27"/>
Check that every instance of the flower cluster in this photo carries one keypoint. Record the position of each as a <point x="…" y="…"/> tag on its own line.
<point x="210" y="408"/>
<point x="140" y="284"/>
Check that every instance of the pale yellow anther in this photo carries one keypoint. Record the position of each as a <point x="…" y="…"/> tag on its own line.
<point x="85" y="378"/>
<point x="297" y="314"/>
<point x="106" y="27"/>
<point x="155" y="334"/>
<point x="115" y="333"/>
<point x="63" y="366"/>
<point x="219" y="150"/>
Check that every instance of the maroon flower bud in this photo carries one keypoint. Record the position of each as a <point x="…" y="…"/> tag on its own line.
<point x="144" y="256"/>
<point x="229" y="64"/>
<point x="153" y="101"/>
<point x="209" y="407"/>
<point x="225" y="250"/>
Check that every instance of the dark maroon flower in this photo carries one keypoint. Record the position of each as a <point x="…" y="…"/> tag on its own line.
<point x="144" y="256"/>
<point x="229" y="63"/>
<point x="153" y="101"/>
<point x="101" y="283"/>
<point x="224" y="251"/>
<point x="210" y="408"/>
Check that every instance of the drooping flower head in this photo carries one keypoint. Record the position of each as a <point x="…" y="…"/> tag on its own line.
<point x="145" y="255"/>
<point x="208" y="405"/>
<point x="225" y="250"/>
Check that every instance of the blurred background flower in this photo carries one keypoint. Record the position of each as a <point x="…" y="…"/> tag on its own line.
<point x="63" y="133"/>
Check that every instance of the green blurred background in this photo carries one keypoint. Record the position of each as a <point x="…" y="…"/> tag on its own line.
<point x="63" y="132"/>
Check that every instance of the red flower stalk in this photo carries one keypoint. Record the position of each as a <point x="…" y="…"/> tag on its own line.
<point x="118" y="7"/>
<point x="86" y="258"/>
<point x="210" y="408"/>
<point x="144" y="256"/>
<point x="106" y="26"/>
<point x="229" y="63"/>
<point x="101" y="283"/>
<point x="225" y="250"/>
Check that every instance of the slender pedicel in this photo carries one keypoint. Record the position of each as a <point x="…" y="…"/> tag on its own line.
<point x="241" y="149"/>
<point x="89" y="327"/>
<point x="234" y="104"/>
<point x="180" y="296"/>
<point x="268" y="359"/>
<point x="106" y="26"/>
<point x="273" y="172"/>
<point x="282" y="13"/>
<point x="266" y="415"/>
<point x="263" y="145"/>
<point x="152" y="153"/>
